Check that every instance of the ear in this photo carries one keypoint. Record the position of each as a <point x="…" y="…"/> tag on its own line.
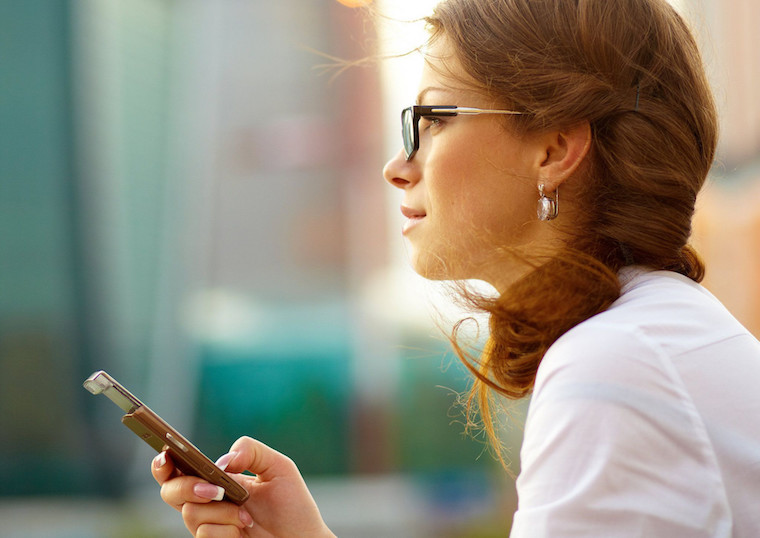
<point x="565" y="151"/>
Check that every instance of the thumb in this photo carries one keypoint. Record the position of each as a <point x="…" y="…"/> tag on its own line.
<point x="248" y="454"/>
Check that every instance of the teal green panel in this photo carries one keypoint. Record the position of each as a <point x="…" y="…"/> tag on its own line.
<point x="43" y="448"/>
<point x="432" y="437"/>
<point x="35" y="159"/>
<point x="296" y="404"/>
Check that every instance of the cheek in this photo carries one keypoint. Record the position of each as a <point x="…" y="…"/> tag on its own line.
<point x="446" y="191"/>
<point x="488" y="199"/>
<point x="452" y="178"/>
<point x="512" y="200"/>
<point x="479" y="184"/>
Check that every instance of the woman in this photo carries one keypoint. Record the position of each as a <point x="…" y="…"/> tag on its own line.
<point x="645" y="410"/>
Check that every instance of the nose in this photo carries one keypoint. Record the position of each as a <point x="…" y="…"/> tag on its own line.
<point x="401" y="173"/>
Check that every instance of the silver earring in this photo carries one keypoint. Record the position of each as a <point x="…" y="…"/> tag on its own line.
<point x="548" y="206"/>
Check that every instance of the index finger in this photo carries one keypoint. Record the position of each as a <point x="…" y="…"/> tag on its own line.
<point x="263" y="461"/>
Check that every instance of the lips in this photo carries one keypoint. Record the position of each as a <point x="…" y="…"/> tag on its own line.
<point x="413" y="216"/>
<point x="412" y="213"/>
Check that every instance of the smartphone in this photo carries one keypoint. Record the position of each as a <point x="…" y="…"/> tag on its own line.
<point x="155" y="431"/>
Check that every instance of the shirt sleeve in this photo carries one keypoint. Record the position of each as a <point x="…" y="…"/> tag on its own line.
<point x="614" y="447"/>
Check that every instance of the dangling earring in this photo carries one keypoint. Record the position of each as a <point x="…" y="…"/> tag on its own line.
<point x="548" y="206"/>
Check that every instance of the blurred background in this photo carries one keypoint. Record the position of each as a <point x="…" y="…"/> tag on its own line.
<point x="191" y="201"/>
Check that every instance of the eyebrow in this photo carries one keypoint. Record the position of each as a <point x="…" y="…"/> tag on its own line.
<point x="425" y="91"/>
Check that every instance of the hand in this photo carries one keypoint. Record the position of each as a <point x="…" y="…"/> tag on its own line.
<point x="279" y="505"/>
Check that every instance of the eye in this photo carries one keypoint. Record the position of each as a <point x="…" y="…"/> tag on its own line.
<point x="426" y="122"/>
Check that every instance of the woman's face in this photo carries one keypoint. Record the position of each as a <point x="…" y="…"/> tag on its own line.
<point x="471" y="189"/>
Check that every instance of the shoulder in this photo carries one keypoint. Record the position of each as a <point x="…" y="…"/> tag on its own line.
<point x="609" y="349"/>
<point x="659" y="318"/>
<point x="614" y="433"/>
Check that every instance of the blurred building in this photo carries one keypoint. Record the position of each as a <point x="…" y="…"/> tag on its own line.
<point x="192" y="200"/>
<point x="727" y="228"/>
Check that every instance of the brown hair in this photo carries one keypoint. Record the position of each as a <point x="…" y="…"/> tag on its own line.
<point x="632" y="69"/>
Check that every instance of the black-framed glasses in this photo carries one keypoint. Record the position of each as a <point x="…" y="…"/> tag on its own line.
<point x="410" y="121"/>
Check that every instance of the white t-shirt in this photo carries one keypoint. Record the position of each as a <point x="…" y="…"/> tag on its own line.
<point x="645" y="421"/>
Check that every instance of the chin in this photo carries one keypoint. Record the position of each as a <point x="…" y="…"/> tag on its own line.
<point x="497" y="270"/>
<point x="436" y="267"/>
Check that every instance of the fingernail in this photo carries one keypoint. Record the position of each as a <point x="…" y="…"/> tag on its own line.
<point x="160" y="460"/>
<point x="245" y="518"/>
<point x="209" y="491"/>
<point x="225" y="460"/>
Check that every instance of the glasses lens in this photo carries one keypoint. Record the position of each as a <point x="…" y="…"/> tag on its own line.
<point x="407" y="131"/>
